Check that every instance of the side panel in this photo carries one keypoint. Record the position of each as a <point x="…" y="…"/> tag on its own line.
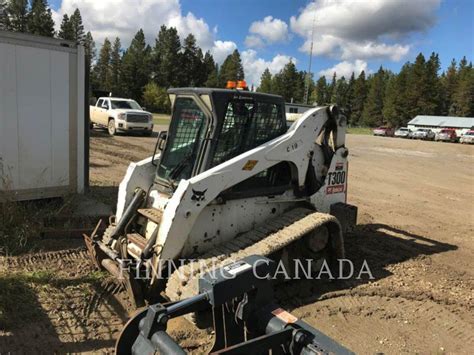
<point x="59" y="118"/>
<point x="9" y="163"/>
<point x="219" y="223"/>
<point x="34" y="117"/>
<point x="41" y="126"/>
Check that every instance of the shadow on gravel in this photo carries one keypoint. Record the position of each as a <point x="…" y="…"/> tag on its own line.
<point x="27" y="327"/>
<point x="379" y="245"/>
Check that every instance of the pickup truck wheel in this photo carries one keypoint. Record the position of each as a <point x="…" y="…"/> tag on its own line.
<point x="111" y="127"/>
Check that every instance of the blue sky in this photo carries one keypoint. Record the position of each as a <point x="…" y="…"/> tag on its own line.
<point x="349" y="35"/>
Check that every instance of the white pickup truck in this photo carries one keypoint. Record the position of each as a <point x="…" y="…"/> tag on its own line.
<point x="121" y="115"/>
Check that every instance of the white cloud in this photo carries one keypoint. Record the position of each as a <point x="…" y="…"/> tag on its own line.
<point x="346" y="49"/>
<point x="354" y="29"/>
<point x="268" y="31"/>
<point x="254" y="41"/>
<point x="112" y="18"/>
<point x="254" y="66"/>
<point x="222" y="49"/>
<point x="345" y="69"/>
<point x="198" y="27"/>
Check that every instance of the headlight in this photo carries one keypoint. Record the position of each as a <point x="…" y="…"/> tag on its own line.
<point x="122" y="116"/>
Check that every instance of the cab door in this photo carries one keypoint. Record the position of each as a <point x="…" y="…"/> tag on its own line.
<point x="104" y="114"/>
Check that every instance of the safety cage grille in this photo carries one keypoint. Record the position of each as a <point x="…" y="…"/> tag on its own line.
<point x="247" y="124"/>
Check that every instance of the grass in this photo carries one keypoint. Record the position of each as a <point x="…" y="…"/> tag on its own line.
<point x="19" y="228"/>
<point x="22" y="222"/>
<point x="161" y="119"/>
<point x="359" y="130"/>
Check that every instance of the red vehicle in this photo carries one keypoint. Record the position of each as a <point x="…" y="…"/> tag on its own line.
<point x="384" y="131"/>
<point x="447" y="135"/>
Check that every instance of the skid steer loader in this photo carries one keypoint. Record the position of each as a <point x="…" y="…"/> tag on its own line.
<point x="228" y="180"/>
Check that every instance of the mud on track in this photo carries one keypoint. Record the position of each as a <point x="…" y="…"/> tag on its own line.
<point x="416" y="223"/>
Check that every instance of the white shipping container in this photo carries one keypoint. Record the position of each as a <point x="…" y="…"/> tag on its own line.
<point x="41" y="117"/>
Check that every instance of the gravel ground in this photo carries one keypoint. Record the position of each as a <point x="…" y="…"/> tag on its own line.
<point x="416" y="221"/>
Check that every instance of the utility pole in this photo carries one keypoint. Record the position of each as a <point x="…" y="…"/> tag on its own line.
<point x="308" y="74"/>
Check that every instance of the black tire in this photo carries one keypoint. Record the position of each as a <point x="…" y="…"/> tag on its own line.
<point x="91" y="125"/>
<point x="111" y="127"/>
<point x="148" y="133"/>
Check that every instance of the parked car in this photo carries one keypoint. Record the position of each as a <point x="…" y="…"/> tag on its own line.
<point x="447" y="135"/>
<point x="403" y="132"/>
<point x="384" y="131"/>
<point x="467" y="137"/>
<point x="121" y="115"/>
<point x="423" y="133"/>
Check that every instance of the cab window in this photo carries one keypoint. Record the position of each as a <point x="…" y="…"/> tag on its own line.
<point x="185" y="136"/>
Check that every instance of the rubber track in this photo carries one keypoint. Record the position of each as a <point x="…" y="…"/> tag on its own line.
<point x="266" y="239"/>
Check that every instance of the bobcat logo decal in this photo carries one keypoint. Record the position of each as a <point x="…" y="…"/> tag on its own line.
<point x="198" y="195"/>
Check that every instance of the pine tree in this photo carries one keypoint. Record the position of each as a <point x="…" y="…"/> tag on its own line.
<point x="17" y="15"/>
<point x="265" y="82"/>
<point x="350" y="97"/>
<point x="65" y="30"/>
<point x="89" y="47"/>
<point x="449" y="84"/>
<point x="136" y="67"/>
<point x="90" y="56"/>
<point x="40" y="20"/>
<point x="372" y="114"/>
<point x="463" y="102"/>
<point x="116" y="68"/>
<point x="166" y="58"/>
<point x="331" y="98"/>
<point x="191" y="63"/>
<point x="321" y="91"/>
<point x="289" y="83"/>
<point x="395" y="110"/>
<point x="102" y="71"/>
<point x="340" y="94"/>
<point x="210" y="71"/>
<point x="360" y="95"/>
<point x="77" y="27"/>
<point x="434" y="94"/>
<point x="231" y="69"/>
<point x="417" y="92"/>
<point x="4" y="20"/>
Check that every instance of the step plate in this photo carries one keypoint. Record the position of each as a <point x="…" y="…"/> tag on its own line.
<point x="152" y="214"/>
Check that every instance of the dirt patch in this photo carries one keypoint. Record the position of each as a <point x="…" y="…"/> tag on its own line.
<point x="416" y="221"/>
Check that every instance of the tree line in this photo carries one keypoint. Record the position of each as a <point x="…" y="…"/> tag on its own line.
<point x="385" y="97"/>
<point x="141" y="71"/>
<point x="144" y="72"/>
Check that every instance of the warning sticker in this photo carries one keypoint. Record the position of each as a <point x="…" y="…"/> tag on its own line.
<point x="237" y="268"/>
<point x="250" y="164"/>
<point x="283" y="315"/>
<point x="335" y="189"/>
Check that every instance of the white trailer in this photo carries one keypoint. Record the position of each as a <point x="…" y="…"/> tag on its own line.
<point x="43" y="150"/>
